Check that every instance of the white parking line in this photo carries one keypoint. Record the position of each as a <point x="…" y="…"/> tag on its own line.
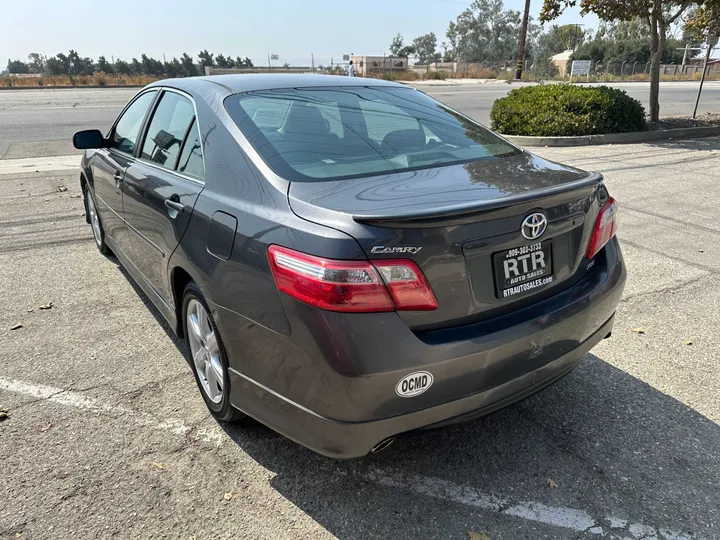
<point x="80" y="401"/>
<point x="572" y="519"/>
<point x="41" y="164"/>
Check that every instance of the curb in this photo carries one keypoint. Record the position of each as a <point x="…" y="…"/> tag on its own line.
<point x="79" y="87"/>
<point x="616" y="138"/>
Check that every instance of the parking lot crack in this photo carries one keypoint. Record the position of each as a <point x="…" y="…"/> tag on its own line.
<point x="671" y="289"/>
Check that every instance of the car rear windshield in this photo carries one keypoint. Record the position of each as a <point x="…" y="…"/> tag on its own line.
<point x="345" y="132"/>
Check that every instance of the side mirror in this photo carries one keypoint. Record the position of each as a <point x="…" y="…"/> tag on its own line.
<point x="89" y="138"/>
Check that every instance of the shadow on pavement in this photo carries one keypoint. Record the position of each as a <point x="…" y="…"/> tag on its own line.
<point x="614" y="445"/>
<point x="707" y="144"/>
<point x="179" y="343"/>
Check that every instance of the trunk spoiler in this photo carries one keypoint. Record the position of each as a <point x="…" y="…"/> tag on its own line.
<point x="460" y="213"/>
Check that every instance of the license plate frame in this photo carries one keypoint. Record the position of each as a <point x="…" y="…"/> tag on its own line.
<point x="536" y="278"/>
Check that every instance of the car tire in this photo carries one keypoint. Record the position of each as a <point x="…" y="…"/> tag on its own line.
<point x="93" y="218"/>
<point x="206" y="355"/>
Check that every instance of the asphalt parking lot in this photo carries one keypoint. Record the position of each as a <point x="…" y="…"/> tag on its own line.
<point x="106" y="434"/>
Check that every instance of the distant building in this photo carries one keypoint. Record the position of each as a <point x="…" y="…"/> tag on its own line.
<point x="560" y="60"/>
<point x="367" y="64"/>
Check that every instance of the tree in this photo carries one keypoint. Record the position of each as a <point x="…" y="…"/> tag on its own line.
<point x="55" y="66"/>
<point x="399" y="49"/>
<point x="188" y="66"/>
<point x="523" y="38"/>
<point x="485" y="33"/>
<point x="63" y="63"/>
<point x="36" y="63"/>
<point x="136" y="66"/>
<point x="625" y="42"/>
<point x="17" y="66"/>
<point x="173" y="68"/>
<point x="555" y="40"/>
<point x="104" y="66"/>
<point x="122" y="67"/>
<point x="70" y="64"/>
<point x="658" y="14"/>
<point x="206" y="58"/>
<point x="246" y="62"/>
<point x="150" y="66"/>
<point x="396" y="45"/>
<point x="79" y="65"/>
<point x="703" y="21"/>
<point x="425" y="49"/>
<point x="221" y="61"/>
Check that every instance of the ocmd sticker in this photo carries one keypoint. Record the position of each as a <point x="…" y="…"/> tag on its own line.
<point x="414" y="384"/>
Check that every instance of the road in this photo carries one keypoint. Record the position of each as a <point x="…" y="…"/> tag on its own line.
<point x="42" y="122"/>
<point x="107" y="435"/>
<point x="676" y="98"/>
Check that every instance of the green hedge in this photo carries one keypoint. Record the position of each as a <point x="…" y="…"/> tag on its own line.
<point x="548" y="110"/>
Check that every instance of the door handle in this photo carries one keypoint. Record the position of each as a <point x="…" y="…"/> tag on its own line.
<point x="173" y="203"/>
<point x="118" y="176"/>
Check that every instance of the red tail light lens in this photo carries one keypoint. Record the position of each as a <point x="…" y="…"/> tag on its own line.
<point x="350" y="286"/>
<point x="605" y="228"/>
<point x="407" y="285"/>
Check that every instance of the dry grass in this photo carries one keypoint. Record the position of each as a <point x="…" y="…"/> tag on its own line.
<point x="486" y="73"/>
<point x="97" y="79"/>
<point x="394" y="75"/>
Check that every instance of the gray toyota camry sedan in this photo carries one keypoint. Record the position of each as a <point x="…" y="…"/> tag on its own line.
<point x="347" y="259"/>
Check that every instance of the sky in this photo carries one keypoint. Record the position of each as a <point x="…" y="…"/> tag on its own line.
<point x="293" y="30"/>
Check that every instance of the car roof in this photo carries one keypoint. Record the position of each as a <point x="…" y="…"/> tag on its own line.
<point x="249" y="82"/>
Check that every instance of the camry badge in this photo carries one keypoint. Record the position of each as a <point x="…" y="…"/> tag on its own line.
<point x="412" y="250"/>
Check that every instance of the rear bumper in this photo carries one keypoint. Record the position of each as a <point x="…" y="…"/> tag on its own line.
<point x="346" y="440"/>
<point x="331" y="385"/>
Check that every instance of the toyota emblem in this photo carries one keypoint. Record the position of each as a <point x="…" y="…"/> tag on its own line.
<point x="534" y="226"/>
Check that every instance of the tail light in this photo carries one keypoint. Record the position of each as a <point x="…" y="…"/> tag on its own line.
<point x="350" y="286"/>
<point x="605" y="228"/>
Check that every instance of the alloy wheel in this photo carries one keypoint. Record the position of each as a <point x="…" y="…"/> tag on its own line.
<point x="94" y="219"/>
<point x="204" y="351"/>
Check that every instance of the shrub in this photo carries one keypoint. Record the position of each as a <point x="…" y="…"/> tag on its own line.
<point x="437" y="75"/>
<point x="566" y="110"/>
<point x="484" y="74"/>
<point x="393" y="75"/>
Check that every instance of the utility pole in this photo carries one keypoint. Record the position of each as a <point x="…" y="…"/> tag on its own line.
<point x="523" y="37"/>
<point x="687" y="48"/>
<point x="711" y="42"/>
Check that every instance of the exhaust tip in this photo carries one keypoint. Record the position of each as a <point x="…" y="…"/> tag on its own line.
<point x="382" y="445"/>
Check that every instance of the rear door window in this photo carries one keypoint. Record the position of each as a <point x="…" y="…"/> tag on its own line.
<point x="344" y="132"/>
<point x="168" y="128"/>
<point x="191" y="157"/>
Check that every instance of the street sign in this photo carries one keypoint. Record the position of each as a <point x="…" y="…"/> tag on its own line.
<point x="346" y="57"/>
<point x="580" y="67"/>
<point x="274" y="57"/>
<point x="712" y="41"/>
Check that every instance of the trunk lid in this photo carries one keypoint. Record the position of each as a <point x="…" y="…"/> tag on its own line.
<point x="460" y="223"/>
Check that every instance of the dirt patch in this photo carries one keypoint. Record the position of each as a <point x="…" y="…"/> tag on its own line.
<point x="671" y="122"/>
